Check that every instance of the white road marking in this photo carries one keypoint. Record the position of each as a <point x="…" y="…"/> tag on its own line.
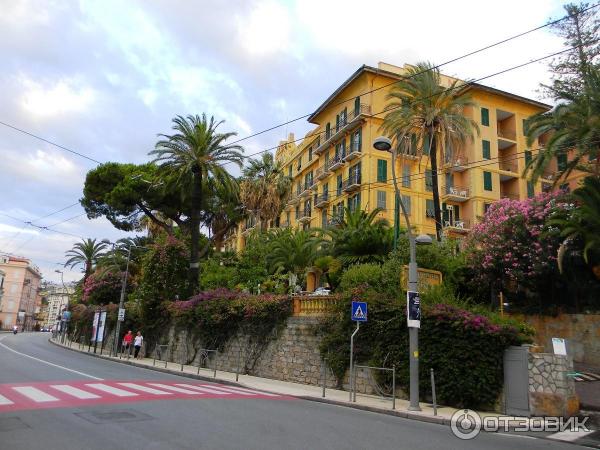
<point x="142" y="388"/>
<point x="73" y="391"/>
<point x="111" y="390"/>
<point x="203" y="389"/>
<point x="174" y="389"/>
<point x="226" y="389"/>
<point x="49" y="363"/>
<point x="35" y="394"/>
<point x="5" y="401"/>
<point x="569" y="436"/>
<point x="253" y="391"/>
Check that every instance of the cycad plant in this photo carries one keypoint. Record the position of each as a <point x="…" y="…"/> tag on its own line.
<point x="292" y="251"/>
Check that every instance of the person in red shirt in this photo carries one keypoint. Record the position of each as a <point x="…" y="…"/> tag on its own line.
<point x="127" y="340"/>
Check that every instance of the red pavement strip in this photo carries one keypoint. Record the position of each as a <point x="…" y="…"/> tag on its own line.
<point x="64" y="394"/>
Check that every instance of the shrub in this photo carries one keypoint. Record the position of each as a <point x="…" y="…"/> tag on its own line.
<point x="365" y="275"/>
<point x="464" y="348"/>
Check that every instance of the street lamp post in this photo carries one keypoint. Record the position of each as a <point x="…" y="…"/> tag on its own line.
<point x="63" y="321"/>
<point x="122" y="301"/>
<point x="385" y="144"/>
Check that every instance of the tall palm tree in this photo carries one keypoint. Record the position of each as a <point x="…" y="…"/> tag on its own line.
<point x="197" y="153"/>
<point x="86" y="253"/>
<point x="359" y="237"/>
<point x="572" y="127"/>
<point x="292" y="251"/>
<point x="264" y="188"/>
<point x="422" y="111"/>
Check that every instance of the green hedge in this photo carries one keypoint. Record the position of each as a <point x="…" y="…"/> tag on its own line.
<point x="465" y="349"/>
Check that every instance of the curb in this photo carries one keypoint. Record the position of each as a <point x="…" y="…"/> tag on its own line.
<point x="390" y="412"/>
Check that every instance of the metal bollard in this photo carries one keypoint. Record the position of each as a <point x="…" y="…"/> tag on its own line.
<point x="433" y="393"/>
<point x="393" y="387"/>
<point x="215" y="365"/>
<point x="323" y="376"/>
<point x="237" y="369"/>
<point x="354" y="386"/>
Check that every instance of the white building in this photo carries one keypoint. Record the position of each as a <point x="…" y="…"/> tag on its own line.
<point x="57" y="298"/>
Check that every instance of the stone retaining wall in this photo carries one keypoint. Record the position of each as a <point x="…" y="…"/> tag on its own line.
<point x="551" y="389"/>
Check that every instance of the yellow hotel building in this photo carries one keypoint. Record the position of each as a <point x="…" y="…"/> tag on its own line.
<point x="336" y="165"/>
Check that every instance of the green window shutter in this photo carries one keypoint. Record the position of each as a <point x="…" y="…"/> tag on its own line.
<point x="456" y="212"/>
<point x="428" y="180"/>
<point x="485" y="117"/>
<point x="406" y="176"/>
<point x="429" y="209"/>
<point x="524" y="127"/>
<point x="356" y="106"/>
<point x="561" y="161"/>
<point x="487" y="181"/>
<point x="327" y="130"/>
<point x="360" y="139"/>
<point x="527" y="156"/>
<point x="406" y="201"/>
<point x="445" y="215"/>
<point x="339" y="185"/>
<point x="426" y="145"/>
<point x="381" y="199"/>
<point x="487" y="154"/>
<point x="381" y="170"/>
<point x="530" y="189"/>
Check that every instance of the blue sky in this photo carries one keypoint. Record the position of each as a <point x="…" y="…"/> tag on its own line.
<point x="104" y="78"/>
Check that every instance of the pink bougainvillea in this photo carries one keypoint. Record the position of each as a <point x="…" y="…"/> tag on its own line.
<point x="102" y="287"/>
<point x="513" y="241"/>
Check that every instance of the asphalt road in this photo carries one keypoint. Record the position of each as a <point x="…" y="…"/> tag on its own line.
<point x="202" y="423"/>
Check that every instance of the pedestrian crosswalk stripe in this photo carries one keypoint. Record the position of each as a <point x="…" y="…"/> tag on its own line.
<point x="139" y="387"/>
<point x="206" y="390"/>
<point x="241" y="389"/>
<point x="227" y="389"/>
<point x="75" y="392"/>
<point x="112" y="390"/>
<point x="5" y="401"/>
<point x="35" y="394"/>
<point x="175" y="389"/>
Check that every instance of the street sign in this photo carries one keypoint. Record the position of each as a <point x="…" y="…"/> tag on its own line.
<point x="359" y="311"/>
<point x="66" y="316"/>
<point x="413" y="309"/>
<point x="121" y="317"/>
<point x="559" y="346"/>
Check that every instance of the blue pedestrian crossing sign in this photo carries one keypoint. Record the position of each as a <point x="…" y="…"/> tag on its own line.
<point x="359" y="311"/>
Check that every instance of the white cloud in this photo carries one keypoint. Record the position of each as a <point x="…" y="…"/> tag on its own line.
<point x="65" y="96"/>
<point x="45" y="166"/>
<point x="266" y="29"/>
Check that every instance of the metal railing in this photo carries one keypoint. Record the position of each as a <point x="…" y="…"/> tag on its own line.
<point x="352" y="182"/>
<point x="322" y="199"/>
<point x="353" y="151"/>
<point x="381" y="390"/>
<point x="509" y="195"/>
<point x="458" y="224"/>
<point x="457" y="191"/>
<point x="204" y="355"/>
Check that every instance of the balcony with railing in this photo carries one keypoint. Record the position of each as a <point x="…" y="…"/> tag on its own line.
<point x="456" y="193"/>
<point x="459" y="163"/>
<point x="292" y="200"/>
<point x="508" y="170"/>
<point x="321" y="201"/>
<point x="346" y="124"/>
<point x="506" y="129"/>
<point x="509" y="195"/>
<point x="321" y="173"/>
<point x="305" y="215"/>
<point x="352" y="183"/>
<point x="353" y="152"/>
<point x="457" y="225"/>
<point x="336" y="162"/>
<point x="248" y="226"/>
<point x="307" y="188"/>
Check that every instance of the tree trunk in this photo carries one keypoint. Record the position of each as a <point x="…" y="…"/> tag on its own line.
<point x="194" y="273"/>
<point x="435" y="186"/>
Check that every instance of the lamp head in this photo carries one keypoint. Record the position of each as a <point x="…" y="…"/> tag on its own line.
<point x="382" y="143"/>
<point x="423" y="239"/>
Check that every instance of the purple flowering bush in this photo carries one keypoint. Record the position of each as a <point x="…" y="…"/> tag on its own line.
<point x="102" y="287"/>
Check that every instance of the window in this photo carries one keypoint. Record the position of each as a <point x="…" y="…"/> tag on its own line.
<point x="426" y="145"/>
<point x="486" y="206"/>
<point x="298" y="187"/>
<point x="381" y="170"/>
<point x="381" y="199"/>
<point x="356" y="106"/>
<point x="337" y="123"/>
<point x="485" y="145"/>
<point x="530" y="189"/>
<point x="485" y="117"/>
<point x="429" y="209"/>
<point x="324" y="218"/>
<point x="299" y="162"/>
<point x="326" y="164"/>
<point x="290" y="171"/>
<point x="340" y="183"/>
<point x="354" y="202"/>
<point x="527" y="156"/>
<point x="561" y="161"/>
<point x="297" y="212"/>
<point x="310" y="153"/>
<point x="525" y="127"/>
<point x="325" y="190"/>
<point x="406" y="201"/>
<point x="344" y="117"/>
<point x="357" y="141"/>
<point x="428" y="180"/>
<point x="354" y="173"/>
<point x="406" y="176"/>
<point x="288" y="217"/>
<point x="327" y="131"/>
<point x="487" y="181"/>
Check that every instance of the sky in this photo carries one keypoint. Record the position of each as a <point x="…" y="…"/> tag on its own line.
<point x="103" y="78"/>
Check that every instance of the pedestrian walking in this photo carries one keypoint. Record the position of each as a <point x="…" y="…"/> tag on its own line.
<point x="127" y="340"/>
<point x="139" y="339"/>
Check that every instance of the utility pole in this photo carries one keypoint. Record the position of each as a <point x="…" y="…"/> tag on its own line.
<point x="122" y="301"/>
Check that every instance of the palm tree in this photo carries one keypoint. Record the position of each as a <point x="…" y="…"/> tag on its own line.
<point x="359" y="237"/>
<point x="572" y="127"/>
<point x="431" y="118"/>
<point x="86" y="253"/>
<point x="292" y="251"/>
<point x="264" y="188"/>
<point x="197" y="153"/>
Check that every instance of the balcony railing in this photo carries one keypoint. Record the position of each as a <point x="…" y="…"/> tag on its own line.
<point x="313" y="305"/>
<point x="345" y="125"/>
<point x="509" y="195"/>
<point x="504" y="134"/>
<point x="336" y="162"/>
<point x="352" y="182"/>
<point x="353" y="152"/>
<point x="458" y="164"/>
<point x="457" y="225"/>
<point x="322" y="200"/>
<point x="305" y="215"/>
<point x="321" y="173"/>
<point x="508" y="166"/>
<point x="456" y="193"/>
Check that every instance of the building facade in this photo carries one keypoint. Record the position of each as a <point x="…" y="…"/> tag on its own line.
<point x="57" y="298"/>
<point x="21" y="300"/>
<point x="336" y="166"/>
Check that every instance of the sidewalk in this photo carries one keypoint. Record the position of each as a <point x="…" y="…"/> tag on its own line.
<point x="303" y="391"/>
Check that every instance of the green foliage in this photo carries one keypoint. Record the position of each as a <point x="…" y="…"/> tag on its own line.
<point x="465" y="349"/>
<point x="252" y="268"/>
<point x="363" y="276"/>
<point x="215" y="274"/>
<point x="292" y="251"/>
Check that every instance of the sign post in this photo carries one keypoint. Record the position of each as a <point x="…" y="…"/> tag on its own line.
<point x="121" y="317"/>
<point x="358" y="314"/>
